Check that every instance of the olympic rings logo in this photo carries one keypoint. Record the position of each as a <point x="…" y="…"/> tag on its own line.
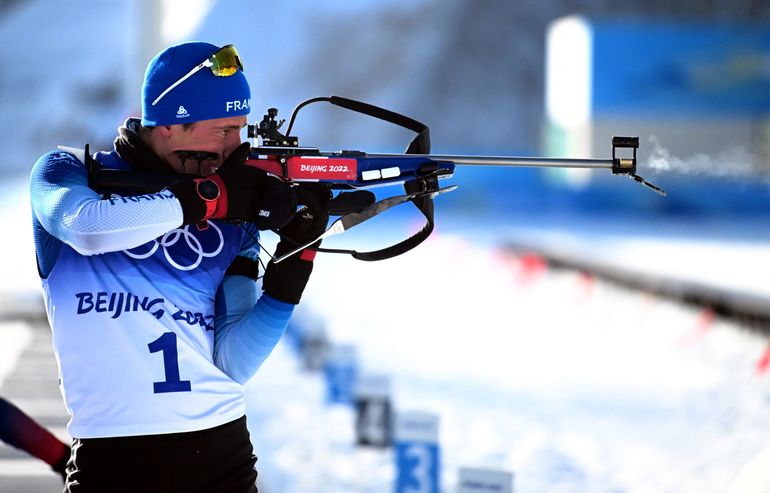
<point x="172" y="237"/>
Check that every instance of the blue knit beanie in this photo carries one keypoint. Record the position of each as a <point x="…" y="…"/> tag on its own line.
<point x="203" y="96"/>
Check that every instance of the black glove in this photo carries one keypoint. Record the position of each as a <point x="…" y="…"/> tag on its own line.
<point x="286" y="280"/>
<point x="237" y="191"/>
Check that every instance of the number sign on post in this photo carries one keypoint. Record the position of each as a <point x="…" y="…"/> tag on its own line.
<point x="374" y="422"/>
<point x="314" y="345"/>
<point x="472" y="480"/>
<point x="340" y="370"/>
<point x="417" y="452"/>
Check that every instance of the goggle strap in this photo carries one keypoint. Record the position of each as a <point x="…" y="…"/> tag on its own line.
<point x="205" y="63"/>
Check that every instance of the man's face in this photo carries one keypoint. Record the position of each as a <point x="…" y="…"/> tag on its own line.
<point x="220" y="136"/>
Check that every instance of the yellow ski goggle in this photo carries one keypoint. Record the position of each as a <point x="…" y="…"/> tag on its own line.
<point x="223" y="63"/>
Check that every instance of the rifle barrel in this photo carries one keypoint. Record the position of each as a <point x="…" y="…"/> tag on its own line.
<point x="537" y="162"/>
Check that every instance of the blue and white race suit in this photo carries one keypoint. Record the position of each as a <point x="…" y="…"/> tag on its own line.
<point x="151" y="336"/>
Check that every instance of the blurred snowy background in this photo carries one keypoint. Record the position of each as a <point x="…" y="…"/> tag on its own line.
<point x="570" y="381"/>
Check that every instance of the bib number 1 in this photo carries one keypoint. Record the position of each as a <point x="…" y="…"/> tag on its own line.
<point x="167" y="345"/>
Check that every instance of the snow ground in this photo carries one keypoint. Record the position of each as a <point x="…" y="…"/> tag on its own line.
<point x="571" y="383"/>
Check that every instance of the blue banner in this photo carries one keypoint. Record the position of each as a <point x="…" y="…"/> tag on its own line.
<point x="676" y="68"/>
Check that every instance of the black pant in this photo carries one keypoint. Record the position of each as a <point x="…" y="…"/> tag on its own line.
<point x="217" y="460"/>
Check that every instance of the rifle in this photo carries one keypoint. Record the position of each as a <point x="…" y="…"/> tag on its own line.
<point x="353" y="172"/>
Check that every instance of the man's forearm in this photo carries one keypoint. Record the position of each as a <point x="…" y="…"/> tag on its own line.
<point x="247" y="328"/>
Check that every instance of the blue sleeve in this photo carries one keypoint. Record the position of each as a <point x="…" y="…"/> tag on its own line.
<point x="250" y="246"/>
<point x="73" y="213"/>
<point x="247" y="328"/>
